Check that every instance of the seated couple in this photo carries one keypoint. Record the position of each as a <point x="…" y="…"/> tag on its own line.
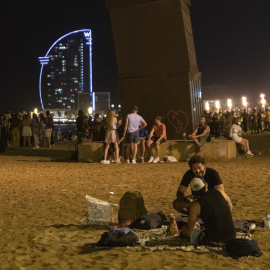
<point x="209" y="202"/>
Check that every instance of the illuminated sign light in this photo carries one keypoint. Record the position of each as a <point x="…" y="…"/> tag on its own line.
<point x="44" y="60"/>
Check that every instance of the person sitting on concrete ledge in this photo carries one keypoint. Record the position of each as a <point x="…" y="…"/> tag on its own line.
<point x="197" y="169"/>
<point x="200" y="135"/>
<point x="157" y="136"/>
<point x="236" y="134"/>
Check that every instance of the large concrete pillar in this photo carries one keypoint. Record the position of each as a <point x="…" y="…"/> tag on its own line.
<point x="156" y="60"/>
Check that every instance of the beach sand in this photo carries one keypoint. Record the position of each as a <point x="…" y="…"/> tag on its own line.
<point x="43" y="207"/>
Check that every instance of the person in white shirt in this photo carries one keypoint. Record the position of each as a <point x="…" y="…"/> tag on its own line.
<point x="236" y="134"/>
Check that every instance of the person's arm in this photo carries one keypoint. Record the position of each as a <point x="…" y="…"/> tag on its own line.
<point x="194" y="213"/>
<point x="125" y="129"/>
<point x="194" y="133"/>
<point x="151" y="134"/>
<point x="219" y="187"/>
<point x="144" y="124"/>
<point x="227" y="198"/>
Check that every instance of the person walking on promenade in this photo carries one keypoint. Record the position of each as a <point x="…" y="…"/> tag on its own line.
<point x="134" y="123"/>
<point x="111" y="136"/>
<point x="158" y="136"/>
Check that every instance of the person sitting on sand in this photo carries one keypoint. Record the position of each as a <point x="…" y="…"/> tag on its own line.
<point x="200" y="135"/>
<point x="197" y="169"/>
<point x="236" y="135"/>
<point x="214" y="208"/>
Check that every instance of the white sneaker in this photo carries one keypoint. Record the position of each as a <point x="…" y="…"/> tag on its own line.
<point x="133" y="161"/>
<point x="127" y="161"/>
<point x="151" y="159"/>
<point x="249" y="153"/>
<point x="105" y="162"/>
<point x="156" y="160"/>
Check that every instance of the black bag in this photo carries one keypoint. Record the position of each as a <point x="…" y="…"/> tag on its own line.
<point x="148" y="222"/>
<point x="237" y="248"/>
<point x="120" y="237"/>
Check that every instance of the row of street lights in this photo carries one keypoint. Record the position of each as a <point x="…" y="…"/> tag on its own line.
<point x="229" y="103"/>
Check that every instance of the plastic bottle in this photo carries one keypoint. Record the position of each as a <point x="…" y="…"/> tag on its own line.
<point x="173" y="225"/>
<point x="267" y="222"/>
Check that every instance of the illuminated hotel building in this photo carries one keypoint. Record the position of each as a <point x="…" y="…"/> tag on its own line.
<point x="66" y="72"/>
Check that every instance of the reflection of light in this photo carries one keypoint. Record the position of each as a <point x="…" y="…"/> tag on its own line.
<point x="244" y="101"/>
<point x="119" y="106"/>
<point x="262" y="96"/>
<point x="207" y="106"/>
<point x="90" y="110"/>
<point x="112" y="105"/>
<point x="229" y="103"/>
<point x="217" y="104"/>
<point x="35" y="111"/>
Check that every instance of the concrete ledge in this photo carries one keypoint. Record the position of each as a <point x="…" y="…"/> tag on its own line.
<point x="224" y="149"/>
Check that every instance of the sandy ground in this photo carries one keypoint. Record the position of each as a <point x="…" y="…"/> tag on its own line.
<point x="43" y="206"/>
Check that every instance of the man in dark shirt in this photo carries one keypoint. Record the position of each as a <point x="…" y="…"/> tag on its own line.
<point x="198" y="169"/>
<point x="214" y="208"/>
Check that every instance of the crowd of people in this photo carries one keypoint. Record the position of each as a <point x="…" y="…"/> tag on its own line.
<point x="28" y="130"/>
<point x="122" y="136"/>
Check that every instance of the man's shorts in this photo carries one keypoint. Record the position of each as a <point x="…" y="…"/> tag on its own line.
<point x="48" y="132"/>
<point x="154" y="139"/>
<point x="203" y="140"/>
<point x="133" y="137"/>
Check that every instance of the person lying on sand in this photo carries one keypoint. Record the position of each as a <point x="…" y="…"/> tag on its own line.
<point x="198" y="169"/>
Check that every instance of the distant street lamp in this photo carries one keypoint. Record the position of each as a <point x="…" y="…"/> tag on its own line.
<point x="35" y="111"/>
<point x="207" y="106"/>
<point x="90" y="110"/>
<point x="217" y="104"/>
<point x="263" y="101"/>
<point x="112" y="106"/>
<point x="229" y="103"/>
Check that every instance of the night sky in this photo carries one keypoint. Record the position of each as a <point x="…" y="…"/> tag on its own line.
<point x="231" y="37"/>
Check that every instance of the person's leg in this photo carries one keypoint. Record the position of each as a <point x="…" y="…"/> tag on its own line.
<point x="28" y="141"/>
<point x="135" y="148"/>
<point x="149" y="143"/>
<point x="143" y="147"/>
<point x="116" y="152"/>
<point x="106" y="150"/>
<point x="24" y="141"/>
<point x="129" y="145"/>
<point x="158" y="149"/>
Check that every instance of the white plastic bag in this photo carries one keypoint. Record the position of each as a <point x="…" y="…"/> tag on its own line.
<point x="99" y="212"/>
<point x="170" y="159"/>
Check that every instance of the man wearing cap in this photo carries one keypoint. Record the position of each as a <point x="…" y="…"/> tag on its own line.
<point x="197" y="169"/>
<point x="134" y="123"/>
<point x="214" y="208"/>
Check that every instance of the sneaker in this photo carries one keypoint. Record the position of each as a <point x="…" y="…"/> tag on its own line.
<point x="127" y="161"/>
<point x="105" y="162"/>
<point x="156" y="160"/>
<point x="249" y="153"/>
<point x="142" y="160"/>
<point x="151" y="159"/>
<point x="133" y="161"/>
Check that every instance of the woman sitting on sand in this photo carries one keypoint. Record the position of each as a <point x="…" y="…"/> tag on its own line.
<point x="111" y="136"/>
<point x="236" y="134"/>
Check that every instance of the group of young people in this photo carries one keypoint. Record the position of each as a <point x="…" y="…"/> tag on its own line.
<point x="130" y="134"/>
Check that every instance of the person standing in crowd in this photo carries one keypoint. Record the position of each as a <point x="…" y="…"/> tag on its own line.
<point x="4" y="129"/>
<point x="245" y="121"/>
<point x="26" y="130"/>
<point x="157" y="136"/>
<point x="80" y="123"/>
<point x="16" y="131"/>
<point x="111" y="136"/>
<point x="35" y="130"/>
<point x="122" y="141"/>
<point x="197" y="169"/>
<point x="41" y="130"/>
<point x="259" y="121"/>
<point x="267" y="120"/>
<point x="134" y="123"/>
<point x="200" y="135"/>
<point x="48" y="121"/>
<point x="236" y="135"/>
<point x="254" y="123"/>
<point x="143" y="133"/>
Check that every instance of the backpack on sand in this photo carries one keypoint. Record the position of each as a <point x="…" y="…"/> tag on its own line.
<point x="131" y="206"/>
